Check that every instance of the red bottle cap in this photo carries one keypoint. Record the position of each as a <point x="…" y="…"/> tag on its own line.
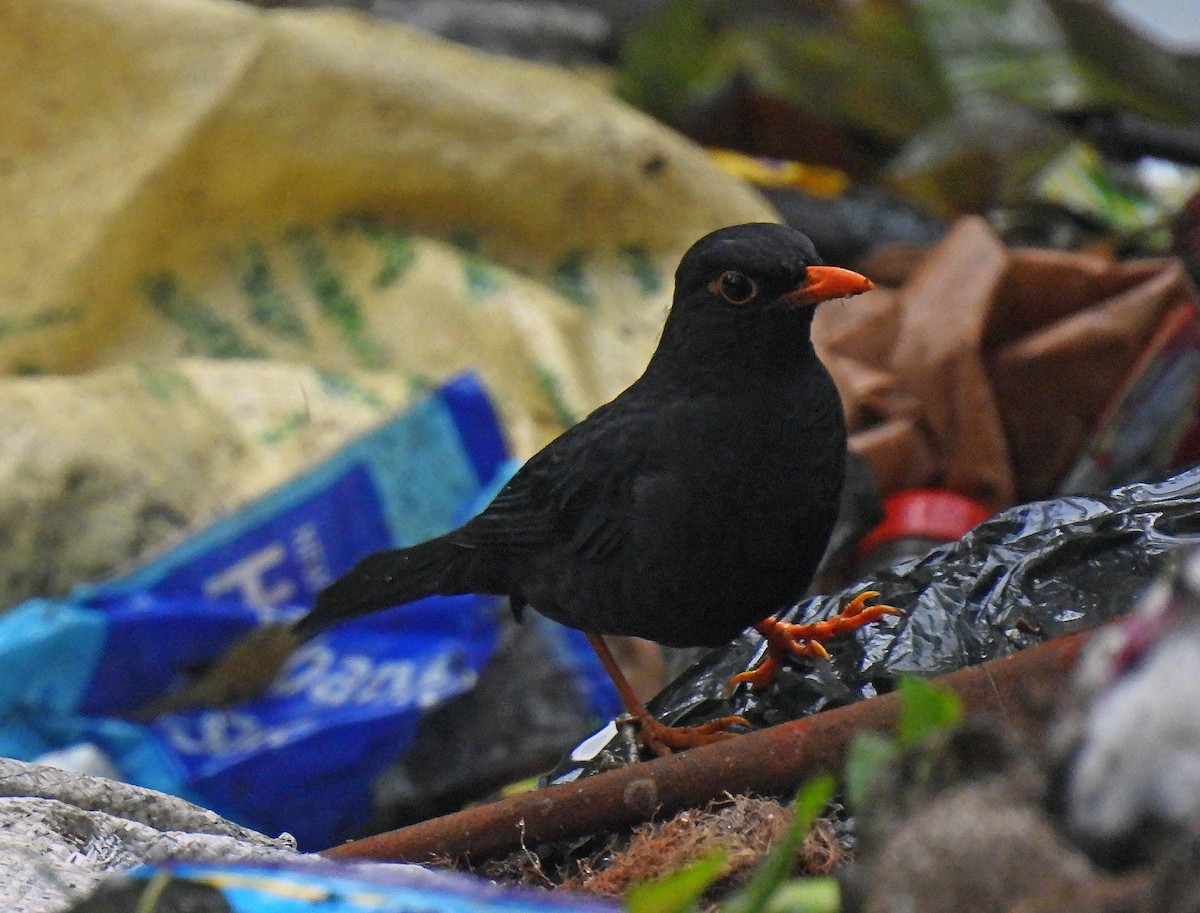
<point x="924" y="513"/>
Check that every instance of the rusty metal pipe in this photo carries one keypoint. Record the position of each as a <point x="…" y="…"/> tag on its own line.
<point x="769" y="762"/>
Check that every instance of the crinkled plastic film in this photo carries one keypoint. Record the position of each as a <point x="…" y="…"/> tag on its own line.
<point x="1027" y="574"/>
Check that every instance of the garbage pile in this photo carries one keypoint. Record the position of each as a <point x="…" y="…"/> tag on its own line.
<point x="289" y="284"/>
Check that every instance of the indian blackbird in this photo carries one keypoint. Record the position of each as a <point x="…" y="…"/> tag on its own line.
<point x="695" y="504"/>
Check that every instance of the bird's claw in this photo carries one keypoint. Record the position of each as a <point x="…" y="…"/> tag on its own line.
<point x="857" y="613"/>
<point x="757" y="678"/>
<point x="785" y="638"/>
<point x="664" y="740"/>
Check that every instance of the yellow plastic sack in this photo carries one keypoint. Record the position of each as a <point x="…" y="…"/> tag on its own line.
<point x="192" y="178"/>
<point x="100" y="468"/>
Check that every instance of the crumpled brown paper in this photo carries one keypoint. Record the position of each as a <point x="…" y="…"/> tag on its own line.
<point x="987" y="369"/>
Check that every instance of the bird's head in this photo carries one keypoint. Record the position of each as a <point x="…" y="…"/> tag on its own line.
<point x="747" y="269"/>
<point x="746" y="293"/>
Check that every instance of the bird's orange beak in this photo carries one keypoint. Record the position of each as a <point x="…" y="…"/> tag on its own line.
<point x="825" y="282"/>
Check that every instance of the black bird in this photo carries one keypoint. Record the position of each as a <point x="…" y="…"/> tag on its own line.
<point x="692" y="506"/>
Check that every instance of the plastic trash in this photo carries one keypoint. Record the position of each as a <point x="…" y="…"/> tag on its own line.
<point x="309" y="883"/>
<point x="302" y="757"/>
<point x="1021" y="577"/>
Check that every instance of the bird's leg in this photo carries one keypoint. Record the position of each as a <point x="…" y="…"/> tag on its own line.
<point x="785" y="638"/>
<point x="659" y="737"/>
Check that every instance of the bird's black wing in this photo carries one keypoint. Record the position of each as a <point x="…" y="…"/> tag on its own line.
<point x="575" y="493"/>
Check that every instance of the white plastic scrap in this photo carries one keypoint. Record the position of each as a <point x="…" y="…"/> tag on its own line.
<point x="62" y="833"/>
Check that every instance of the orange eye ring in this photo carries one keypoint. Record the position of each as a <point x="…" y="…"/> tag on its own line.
<point x="734" y="287"/>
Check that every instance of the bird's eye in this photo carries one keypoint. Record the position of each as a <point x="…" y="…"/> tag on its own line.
<point x="734" y="287"/>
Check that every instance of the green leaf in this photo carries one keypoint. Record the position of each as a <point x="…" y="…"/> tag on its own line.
<point x="811" y="800"/>
<point x="870" y="754"/>
<point x="819" y="894"/>
<point x="925" y="711"/>
<point x="679" y="891"/>
<point x="668" y="61"/>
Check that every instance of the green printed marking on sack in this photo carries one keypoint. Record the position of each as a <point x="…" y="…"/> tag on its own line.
<point x="342" y="386"/>
<point x="335" y="302"/>
<point x="481" y="278"/>
<point x="39" y="320"/>
<point x="420" y="384"/>
<point x="572" y="281"/>
<point x="397" y="248"/>
<point x="206" y="333"/>
<point x="162" y="383"/>
<point x="270" y="306"/>
<point x="640" y="265"/>
<point x="301" y="418"/>
<point x="551" y="385"/>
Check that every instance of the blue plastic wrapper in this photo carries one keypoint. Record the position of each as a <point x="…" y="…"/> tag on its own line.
<point x="302" y="757"/>
<point x="313" y="884"/>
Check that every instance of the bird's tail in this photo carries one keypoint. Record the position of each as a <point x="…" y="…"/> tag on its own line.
<point x="386" y="579"/>
<point x="380" y="581"/>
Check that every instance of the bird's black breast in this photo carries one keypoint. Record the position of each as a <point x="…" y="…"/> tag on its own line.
<point x="690" y="518"/>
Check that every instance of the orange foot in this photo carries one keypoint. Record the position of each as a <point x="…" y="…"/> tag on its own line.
<point x="663" y="739"/>
<point x="785" y="638"/>
<point x="659" y="737"/>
